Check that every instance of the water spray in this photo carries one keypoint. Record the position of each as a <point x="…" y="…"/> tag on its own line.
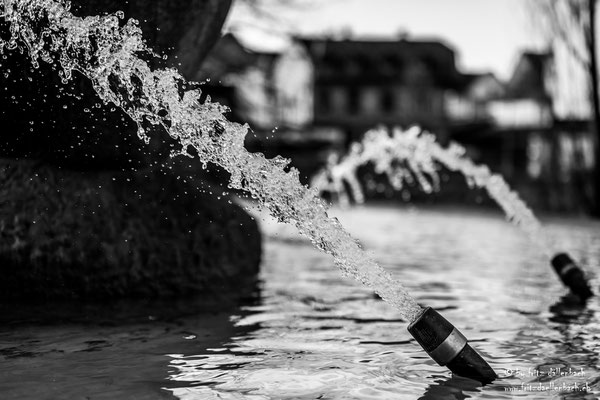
<point x="112" y="55"/>
<point x="413" y="155"/>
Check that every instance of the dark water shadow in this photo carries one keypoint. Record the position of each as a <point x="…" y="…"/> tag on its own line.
<point x="452" y="388"/>
<point x="122" y="311"/>
<point x="571" y="309"/>
<point x="120" y="349"/>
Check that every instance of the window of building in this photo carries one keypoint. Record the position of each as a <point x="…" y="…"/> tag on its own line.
<point x="324" y="101"/>
<point x="354" y="100"/>
<point x="365" y="65"/>
<point x="331" y="65"/>
<point x="370" y="99"/>
<point x="391" y="65"/>
<point x="388" y="103"/>
<point x="338" y="100"/>
<point x="352" y="67"/>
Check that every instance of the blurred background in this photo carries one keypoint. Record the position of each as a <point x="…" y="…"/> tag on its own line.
<point x="511" y="81"/>
<point x="91" y="215"/>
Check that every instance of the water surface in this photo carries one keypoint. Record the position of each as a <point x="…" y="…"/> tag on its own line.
<point x="311" y="333"/>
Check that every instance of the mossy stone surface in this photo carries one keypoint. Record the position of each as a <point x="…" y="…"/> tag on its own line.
<point x="74" y="235"/>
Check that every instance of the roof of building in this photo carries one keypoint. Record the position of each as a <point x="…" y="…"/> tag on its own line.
<point x="387" y="58"/>
<point x="529" y="77"/>
<point x="230" y="56"/>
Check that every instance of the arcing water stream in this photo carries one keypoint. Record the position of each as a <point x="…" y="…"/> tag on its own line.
<point x="405" y="156"/>
<point x="110" y="52"/>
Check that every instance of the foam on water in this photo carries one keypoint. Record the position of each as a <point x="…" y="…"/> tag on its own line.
<point x="414" y="155"/>
<point x="111" y="53"/>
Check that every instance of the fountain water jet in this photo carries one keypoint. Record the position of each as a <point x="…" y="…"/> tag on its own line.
<point x="413" y="155"/>
<point x="110" y="52"/>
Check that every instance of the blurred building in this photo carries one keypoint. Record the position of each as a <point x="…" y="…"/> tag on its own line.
<point x="526" y="103"/>
<point x="496" y="118"/>
<point x="360" y="84"/>
<point x="468" y="105"/>
<point x="256" y="85"/>
<point x="560" y="152"/>
<point x="543" y="153"/>
<point x="272" y="91"/>
<point x="314" y="96"/>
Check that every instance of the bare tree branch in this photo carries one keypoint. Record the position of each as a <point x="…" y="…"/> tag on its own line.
<point x="573" y="23"/>
<point x="566" y="21"/>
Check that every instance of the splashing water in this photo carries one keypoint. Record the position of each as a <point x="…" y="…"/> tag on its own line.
<point x="110" y="52"/>
<point x="413" y="155"/>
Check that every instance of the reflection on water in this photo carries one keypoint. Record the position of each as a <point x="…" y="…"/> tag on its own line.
<point x="314" y="334"/>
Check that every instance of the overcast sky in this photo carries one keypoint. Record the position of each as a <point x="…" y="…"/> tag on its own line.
<point x="486" y="34"/>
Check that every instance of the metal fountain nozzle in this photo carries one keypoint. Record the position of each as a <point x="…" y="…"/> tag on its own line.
<point x="571" y="275"/>
<point x="448" y="347"/>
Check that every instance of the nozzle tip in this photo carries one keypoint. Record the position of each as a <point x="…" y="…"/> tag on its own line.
<point x="571" y="275"/>
<point x="470" y="364"/>
<point x="448" y="347"/>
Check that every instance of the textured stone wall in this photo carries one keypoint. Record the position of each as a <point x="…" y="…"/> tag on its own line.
<point x="102" y="235"/>
<point x="87" y="210"/>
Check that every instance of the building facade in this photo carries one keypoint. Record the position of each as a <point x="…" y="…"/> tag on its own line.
<point x="360" y="84"/>
<point x="315" y="96"/>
